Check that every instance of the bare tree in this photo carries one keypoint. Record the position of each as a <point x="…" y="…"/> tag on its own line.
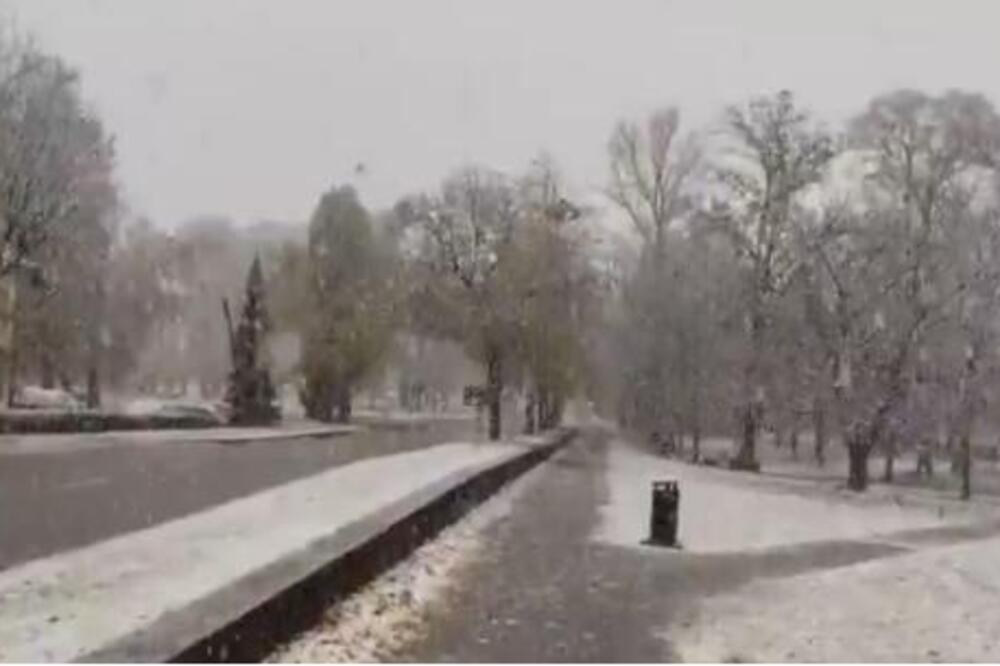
<point x="467" y="231"/>
<point x="971" y="331"/>
<point x="889" y="263"/>
<point x="652" y="170"/>
<point x="48" y="147"/>
<point x="55" y="171"/>
<point x="651" y="173"/>
<point x="552" y="285"/>
<point x="778" y="155"/>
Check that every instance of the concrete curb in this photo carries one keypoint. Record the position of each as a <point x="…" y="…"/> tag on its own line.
<point x="246" y="621"/>
<point x="313" y="433"/>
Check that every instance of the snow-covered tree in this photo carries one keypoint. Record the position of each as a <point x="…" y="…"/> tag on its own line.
<point x="250" y="393"/>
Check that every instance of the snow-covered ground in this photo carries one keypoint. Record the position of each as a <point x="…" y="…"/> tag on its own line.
<point x="722" y="510"/>
<point x="403" y="415"/>
<point x="148" y="406"/>
<point x="935" y="605"/>
<point x="36" y="397"/>
<point x="392" y="611"/>
<point x="66" y="442"/>
<point x="61" y="607"/>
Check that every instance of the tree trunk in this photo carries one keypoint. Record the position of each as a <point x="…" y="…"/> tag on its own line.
<point x="343" y="397"/>
<point x="857" y="459"/>
<point x="696" y="441"/>
<point x="887" y="471"/>
<point x="819" y="431"/>
<point x="966" y="456"/>
<point x="696" y="424"/>
<point x="955" y="458"/>
<point x="967" y="415"/>
<point x="754" y="408"/>
<point x="889" y="447"/>
<point x="494" y="389"/>
<point x="553" y="410"/>
<point x="12" y="376"/>
<point x="543" y="409"/>
<point x="529" y="414"/>
<point x="318" y="400"/>
<point x="402" y="396"/>
<point x="558" y="404"/>
<point x="793" y="443"/>
<point x="93" y="388"/>
<point x="747" y="456"/>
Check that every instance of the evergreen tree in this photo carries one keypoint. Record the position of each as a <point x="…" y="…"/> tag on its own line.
<point x="250" y="393"/>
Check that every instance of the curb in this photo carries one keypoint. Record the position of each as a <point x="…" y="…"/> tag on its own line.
<point x="248" y="620"/>
<point x="316" y="433"/>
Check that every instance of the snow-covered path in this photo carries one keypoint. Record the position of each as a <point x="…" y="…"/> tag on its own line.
<point x="393" y="610"/>
<point x="722" y="511"/>
<point x="63" y="607"/>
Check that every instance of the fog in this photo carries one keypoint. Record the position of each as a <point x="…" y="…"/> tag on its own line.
<point x="249" y="109"/>
<point x="499" y="331"/>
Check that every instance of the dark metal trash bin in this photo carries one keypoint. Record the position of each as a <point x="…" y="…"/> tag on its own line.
<point x="663" y="518"/>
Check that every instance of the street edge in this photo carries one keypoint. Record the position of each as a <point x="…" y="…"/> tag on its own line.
<point x="248" y="620"/>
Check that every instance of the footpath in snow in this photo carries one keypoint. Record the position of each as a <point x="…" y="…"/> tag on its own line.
<point x="64" y="607"/>
<point x="395" y="609"/>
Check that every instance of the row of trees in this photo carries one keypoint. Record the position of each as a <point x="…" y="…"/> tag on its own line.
<point x="490" y="262"/>
<point x="89" y="298"/>
<point x="502" y="266"/>
<point x="142" y="305"/>
<point x="58" y="202"/>
<point x="787" y="274"/>
<point x="784" y="275"/>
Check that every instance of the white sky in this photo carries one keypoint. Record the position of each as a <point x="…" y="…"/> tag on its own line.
<point x="251" y="109"/>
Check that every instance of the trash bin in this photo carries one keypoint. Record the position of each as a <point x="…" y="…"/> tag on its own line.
<point x="663" y="517"/>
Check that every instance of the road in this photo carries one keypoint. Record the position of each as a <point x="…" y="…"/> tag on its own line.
<point x="59" y="499"/>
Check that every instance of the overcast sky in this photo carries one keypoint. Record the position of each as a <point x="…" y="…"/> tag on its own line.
<point x="251" y="109"/>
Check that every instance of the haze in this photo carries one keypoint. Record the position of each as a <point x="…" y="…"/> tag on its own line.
<point x="251" y="109"/>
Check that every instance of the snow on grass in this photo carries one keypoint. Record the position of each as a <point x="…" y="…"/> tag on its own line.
<point x="392" y="611"/>
<point x="934" y="605"/>
<point x="171" y="406"/>
<point x="416" y="417"/>
<point x="42" y="398"/>
<point x="728" y="511"/>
